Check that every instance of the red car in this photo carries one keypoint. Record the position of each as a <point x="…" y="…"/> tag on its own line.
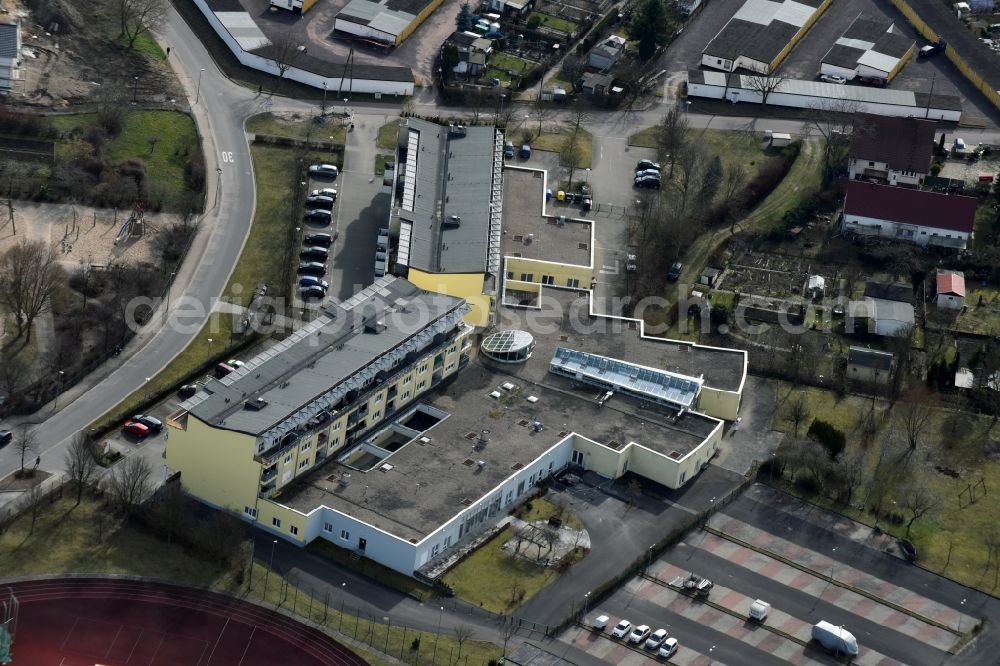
<point x="136" y="429"/>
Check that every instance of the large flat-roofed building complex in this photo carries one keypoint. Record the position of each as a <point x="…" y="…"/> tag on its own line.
<point x="761" y="33"/>
<point x="446" y="210"/>
<point x="871" y="48"/>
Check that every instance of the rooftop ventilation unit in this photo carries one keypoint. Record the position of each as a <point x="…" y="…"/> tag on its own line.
<point x="536" y="426"/>
<point x="256" y="404"/>
<point x="481" y="465"/>
<point x="345" y="480"/>
<point x="374" y="326"/>
<point x="483" y="439"/>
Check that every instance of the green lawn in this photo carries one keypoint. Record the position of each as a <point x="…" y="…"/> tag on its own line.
<point x="83" y="539"/>
<point x="488" y="577"/>
<point x="542" y="509"/>
<point x="144" y="44"/>
<point x="502" y="64"/>
<point x="373" y="570"/>
<point x="165" y="160"/>
<point x="979" y="319"/>
<point x="803" y="180"/>
<point x="297" y="128"/>
<point x="554" y="140"/>
<point x="387" y="135"/>
<point x="554" y="22"/>
<point x="380" y="161"/>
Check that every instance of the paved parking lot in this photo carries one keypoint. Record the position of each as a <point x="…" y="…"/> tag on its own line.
<point x="810" y="565"/>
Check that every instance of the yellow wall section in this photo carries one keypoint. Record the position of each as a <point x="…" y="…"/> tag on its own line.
<point x="428" y="10"/>
<point x="719" y="404"/>
<point x="469" y="286"/>
<point x="216" y="465"/>
<point x="561" y="272"/>
<point x="307" y="5"/>
<point x="799" y="35"/>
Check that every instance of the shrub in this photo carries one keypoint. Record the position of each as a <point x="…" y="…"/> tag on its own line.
<point x="534" y="21"/>
<point x="415" y="644"/>
<point x="832" y="439"/>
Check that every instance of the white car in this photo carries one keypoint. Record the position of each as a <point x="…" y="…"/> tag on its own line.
<point x="639" y="634"/>
<point x="328" y="170"/>
<point x="833" y="78"/>
<point x="601" y="622"/>
<point x="621" y="629"/>
<point x="325" y="192"/>
<point x="656" y="639"/>
<point x="668" y="648"/>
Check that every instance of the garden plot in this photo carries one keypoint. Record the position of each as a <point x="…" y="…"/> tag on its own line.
<point x="778" y="276"/>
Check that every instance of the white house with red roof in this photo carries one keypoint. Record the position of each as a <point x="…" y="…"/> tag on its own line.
<point x="915" y="216"/>
<point x="950" y="290"/>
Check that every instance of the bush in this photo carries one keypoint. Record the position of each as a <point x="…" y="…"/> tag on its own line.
<point x="832" y="439"/>
<point x="415" y="644"/>
<point x="534" y="21"/>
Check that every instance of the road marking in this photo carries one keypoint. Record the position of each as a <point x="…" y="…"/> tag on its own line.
<point x="227" y="157"/>
<point x="218" y="638"/>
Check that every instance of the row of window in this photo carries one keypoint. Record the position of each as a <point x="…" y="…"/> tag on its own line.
<point x="573" y="283"/>
<point x="344" y="534"/>
<point x="275" y="522"/>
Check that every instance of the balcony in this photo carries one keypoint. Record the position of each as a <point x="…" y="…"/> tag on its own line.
<point x="269" y="474"/>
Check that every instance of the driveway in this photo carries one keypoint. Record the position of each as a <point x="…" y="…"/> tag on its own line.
<point x="620" y="534"/>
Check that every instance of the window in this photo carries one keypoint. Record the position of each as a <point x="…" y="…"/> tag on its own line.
<point x="336" y="426"/>
<point x="520" y="488"/>
<point x="577" y="457"/>
<point x="334" y="444"/>
<point x="527" y="277"/>
<point x="550" y="466"/>
<point x="573" y="282"/>
<point x="422" y="384"/>
<point x="406" y="395"/>
<point x="250" y="511"/>
<point x="305" y="447"/>
<point x="871" y="164"/>
<point x="376" y="416"/>
<point x="276" y="522"/>
<point x="683" y="476"/>
<point x="407" y="380"/>
<point x="449" y="367"/>
<point x="447" y="542"/>
<point x="423" y="368"/>
<point x="548" y="279"/>
<point x="328" y="528"/>
<point x="303" y="464"/>
<point x="531" y="481"/>
<point x="510" y="497"/>
<point x="288" y="458"/>
<point x="434" y="550"/>
<point x="379" y="397"/>
<point x="345" y="535"/>
<point x="293" y="529"/>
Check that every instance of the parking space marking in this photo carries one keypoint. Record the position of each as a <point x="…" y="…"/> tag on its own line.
<point x="602" y="646"/>
<point x="819" y="562"/>
<point x="820" y="588"/>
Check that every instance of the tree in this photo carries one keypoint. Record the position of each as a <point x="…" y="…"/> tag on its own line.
<point x="33" y="503"/>
<point x="732" y="188"/>
<point x="25" y="445"/>
<point x="81" y="466"/>
<point x="169" y="514"/>
<point x="765" y="84"/>
<point x="691" y="164"/>
<point x="285" y="51"/>
<point x="571" y="154"/>
<point x="128" y="485"/>
<point x="671" y="137"/>
<point x="463" y="632"/>
<point x="449" y="60"/>
<point x="650" y="27"/>
<point x="836" y="123"/>
<point x="465" y="19"/>
<point x="13" y="374"/>
<point x="540" y="113"/>
<point x="710" y="181"/>
<point x="798" y="411"/>
<point x="138" y="17"/>
<point x="912" y="419"/>
<point x="29" y="275"/>
<point x="917" y="499"/>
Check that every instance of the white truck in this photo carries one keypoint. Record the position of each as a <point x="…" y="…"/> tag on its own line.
<point x="759" y="610"/>
<point x="834" y="638"/>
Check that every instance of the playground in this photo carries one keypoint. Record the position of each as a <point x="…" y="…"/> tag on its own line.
<point x="114" y="622"/>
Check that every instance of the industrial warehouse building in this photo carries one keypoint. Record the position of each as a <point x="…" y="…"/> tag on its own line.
<point x="804" y="94"/>
<point x="761" y="33"/>
<point x="388" y="22"/>
<point x="380" y="428"/>
<point x="871" y="49"/>
<point x="446" y="211"/>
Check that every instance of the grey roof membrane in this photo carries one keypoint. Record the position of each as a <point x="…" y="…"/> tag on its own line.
<point x="454" y="178"/>
<point x="319" y="356"/>
<point x="8" y="40"/>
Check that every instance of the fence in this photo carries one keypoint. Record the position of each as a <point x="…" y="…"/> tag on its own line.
<point x="32" y="499"/>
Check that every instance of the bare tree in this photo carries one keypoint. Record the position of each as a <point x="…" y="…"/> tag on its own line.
<point x="223" y="535"/>
<point x="29" y="275"/>
<point x="13" y="374"/>
<point x="33" y="503"/>
<point x="912" y="419"/>
<point x="836" y="123"/>
<point x="572" y="152"/>
<point x="851" y="467"/>
<point x="798" y="411"/>
<point x="25" y="445"/>
<point x="540" y="113"/>
<point x="917" y="499"/>
<point x="285" y="50"/>
<point x="548" y="538"/>
<point x="81" y="466"/>
<point x="671" y="136"/>
<point x="508" y="629"/>
<point x="138" y="17"/>
<point x="128" y="485"/>
<point x="732" y="187"/>
<point x="765" y="84"/>
<point x="463" y="632"/>
<point x="691" y="164"/>
<point x="169" y="514"/>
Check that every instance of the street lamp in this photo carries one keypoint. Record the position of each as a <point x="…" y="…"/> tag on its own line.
<point x="55" y="403"/>
<point x="166" y="313"/>
<point x="586" y="604"/>
<point x="437" y="635"/>
<point x="833" y="563"/>
<point x="198" y="93"/>
<point x="135" y="88"/>
<point x="145" y="387"/>
<point x="323" y="107"/>
<point x="208" y="355"/>
<point x="270" y="563"/>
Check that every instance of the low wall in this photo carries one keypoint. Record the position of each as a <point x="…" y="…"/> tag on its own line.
<point x="254" y="61"/>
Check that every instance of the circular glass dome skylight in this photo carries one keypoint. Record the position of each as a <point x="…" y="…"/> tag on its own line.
<point x="509" y="346"/>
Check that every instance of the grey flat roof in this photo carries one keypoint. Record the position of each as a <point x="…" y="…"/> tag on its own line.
<point x="453" y="178"/>
<point x="564" y="316"/>
<point x="870" y="358"/>
<point x="430" y="483"/>
<point x="522" y="217"/>
<point x="868" y="39"/>
<point x="760" y="29"/>
<point x="8" y="40"/>
<point x="320" y="356"/>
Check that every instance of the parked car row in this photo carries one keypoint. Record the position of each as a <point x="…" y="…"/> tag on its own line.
<point x="142" y="426"/>
<point x="316" y="246"/>
<point x="658" y="641"/>
<point x="647" y="174"/>
<point x="508" y="151"/>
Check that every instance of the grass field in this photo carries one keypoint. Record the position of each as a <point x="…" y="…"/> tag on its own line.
<point x="177" y="140"/>
<point x="502" y="64"/>
<point x="542" y="509"/>
<point x="952" y="443"/>
<point x="144" y="44"/>
<point x="554" y="22"/>
<point x="83" y="539"/>
<point x="387" y="135"/>
<point x="380" y="164"/>
<point x="268" y="123"/>
<point x="981" y="319"/>
<point x="488" y="576"/>
<point x="554" y="140"/>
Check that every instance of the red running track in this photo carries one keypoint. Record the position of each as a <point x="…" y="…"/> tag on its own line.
<point x="109" y="622"/>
